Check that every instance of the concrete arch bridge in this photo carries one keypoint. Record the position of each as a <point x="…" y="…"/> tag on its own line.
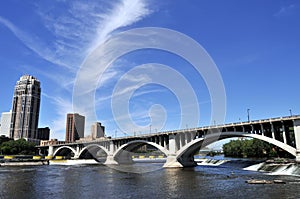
<point x="180" y="146"/>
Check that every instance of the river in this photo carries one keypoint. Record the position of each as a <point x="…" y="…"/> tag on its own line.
<point x="98" y="181"/>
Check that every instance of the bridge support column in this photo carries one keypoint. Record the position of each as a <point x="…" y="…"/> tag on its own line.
<point x="283" y="133"/>
<point x="298" y="156"/>
<point x="172" y="161"/>
<point x="262" y="129"/>
<point x="297" y="138"/>
<point x="50" y="151"/>
<point x="110" y="160"/>
<point x="273" y="130"/>
<point x="76" y="155"/>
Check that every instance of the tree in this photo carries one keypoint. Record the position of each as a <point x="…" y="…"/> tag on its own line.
<point x="18" y="147"/>
<point x="252" y="148"/>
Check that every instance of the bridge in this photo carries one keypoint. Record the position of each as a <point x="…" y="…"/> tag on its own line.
<point x="179" y="146"/>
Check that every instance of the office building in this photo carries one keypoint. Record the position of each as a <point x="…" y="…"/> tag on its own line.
<point x="5" y="124"/>
<point x="25" y="108"/>
<point x="43" y="133"/>
<point x="97" y="130"/>
<point x="74" y="127"/>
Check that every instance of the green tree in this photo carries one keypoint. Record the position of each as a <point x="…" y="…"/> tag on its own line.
<point x="252" y="148"/>
<point x="18" y="147"/>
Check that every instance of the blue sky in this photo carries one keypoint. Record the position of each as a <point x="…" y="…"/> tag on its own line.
<point x="254" y="44"/>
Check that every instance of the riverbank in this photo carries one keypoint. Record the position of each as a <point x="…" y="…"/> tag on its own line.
<point x="22" y="160"/>
<point x="25" y="163"/>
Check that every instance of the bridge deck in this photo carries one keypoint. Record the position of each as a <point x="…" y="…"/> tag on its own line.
<point x="205" y="128"/>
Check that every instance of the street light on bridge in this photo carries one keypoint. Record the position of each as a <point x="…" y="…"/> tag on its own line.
<point x="291" y="112"/>
<point x="248" y="111"/>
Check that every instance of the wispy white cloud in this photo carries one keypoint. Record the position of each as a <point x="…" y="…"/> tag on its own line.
<point x="285" y="10"/>
<point x="84" y="26"/>
<point x="90" y="25"/>
<point x="74" y="29"/>
<point x="34" y="43"/>
<point x="78" y="29"/>
<point x="122" y="14"/>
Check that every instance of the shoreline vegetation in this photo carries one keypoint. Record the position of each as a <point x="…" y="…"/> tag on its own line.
<point x="253" y="148"/>
<point x="16" y="147"/>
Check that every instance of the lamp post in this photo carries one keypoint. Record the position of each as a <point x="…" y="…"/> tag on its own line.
<point x="248" y="112"/>
<point x="291" y="112"/>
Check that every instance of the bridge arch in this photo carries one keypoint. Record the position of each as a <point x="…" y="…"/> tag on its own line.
<point x="126" y="148"/>
<point x="191" y="148"/>
<point x="88" y="147"/>
<point x="62" y="148"/>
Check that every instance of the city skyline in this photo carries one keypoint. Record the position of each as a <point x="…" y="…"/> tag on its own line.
<point x="255" y="48"/>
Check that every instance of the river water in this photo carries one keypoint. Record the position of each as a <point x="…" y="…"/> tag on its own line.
<point x="98" y="181"/>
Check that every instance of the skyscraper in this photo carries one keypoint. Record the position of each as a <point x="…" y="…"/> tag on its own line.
<point x="5" y="124"/>
<point x="25" y="108"/>
<point x="74" y="127"/>
<point x="43" y="133"/>
<point x="97" y="130"/>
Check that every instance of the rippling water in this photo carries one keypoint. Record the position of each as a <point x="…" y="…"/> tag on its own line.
<point x="99" y="181"/>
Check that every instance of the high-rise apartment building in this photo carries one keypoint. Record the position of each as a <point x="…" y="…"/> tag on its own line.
<point x="97" y="130"/>
<point x="74" y="127"/>
<point x="25" y="108"/>
<point x="43" y="133"/>
<point x="5" y="124"/>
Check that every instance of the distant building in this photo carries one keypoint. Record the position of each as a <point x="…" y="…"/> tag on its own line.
<point x="5" y="124"/>
<point x="25" y="108"/>
<point x="74" y="127"/>
<point x="43" y="133"/>
<point x="85" y="139"/>
<point x="97" y="130"/>
<point x="51" y="142"/>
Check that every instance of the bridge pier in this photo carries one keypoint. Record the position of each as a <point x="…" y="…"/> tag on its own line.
<point x="172" y="162"/>
<point x="298" y="156"/>
<point x="76" y="155"/>
<point x="297" y="138"/>
<point x="110" y="160"/>
<point x="50" y="151"/>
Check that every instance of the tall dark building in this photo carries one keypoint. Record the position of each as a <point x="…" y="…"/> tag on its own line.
<point x="43" y="133"/>
<point x="74" y="127"/>
<point x="25" y="108"/>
